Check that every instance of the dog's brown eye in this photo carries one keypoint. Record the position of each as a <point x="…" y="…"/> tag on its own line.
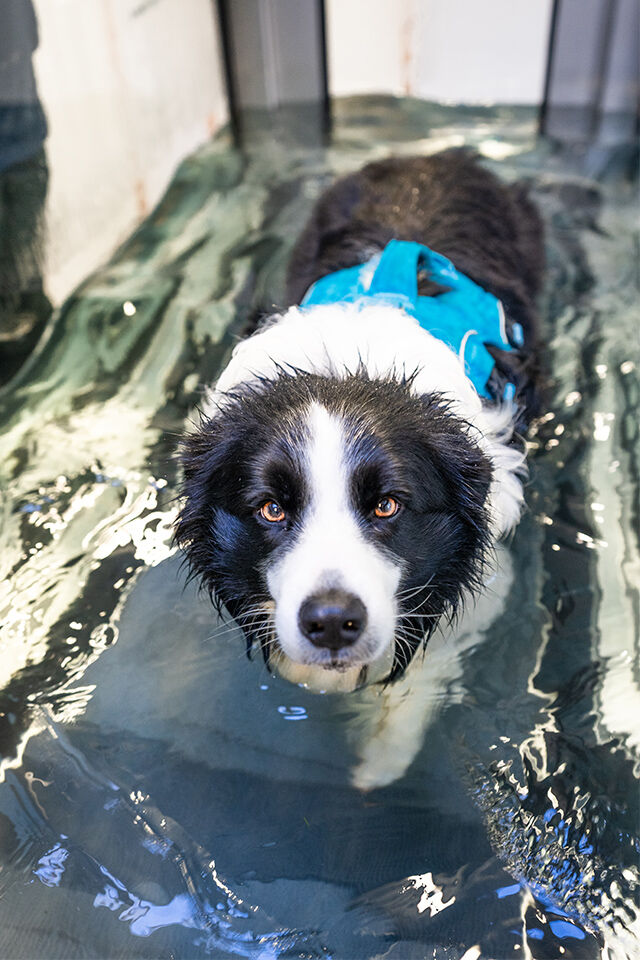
<point x="272" y="511"/>
<point x="387" y="507"/>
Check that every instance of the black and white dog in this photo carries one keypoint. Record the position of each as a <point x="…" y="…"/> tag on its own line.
<point x="351" y="474"/>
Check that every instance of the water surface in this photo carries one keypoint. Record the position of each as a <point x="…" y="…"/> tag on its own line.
<point x="163" y="797"/>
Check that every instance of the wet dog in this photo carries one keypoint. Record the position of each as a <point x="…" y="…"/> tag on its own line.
<point x="358" y="459"/>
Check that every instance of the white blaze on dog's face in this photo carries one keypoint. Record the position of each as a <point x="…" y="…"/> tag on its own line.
<point x="333" y="584"/>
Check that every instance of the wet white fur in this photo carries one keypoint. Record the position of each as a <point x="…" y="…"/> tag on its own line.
<point x="331" y="552"/>
<point x="336" y="338"/>
<point x="392" y="720"/>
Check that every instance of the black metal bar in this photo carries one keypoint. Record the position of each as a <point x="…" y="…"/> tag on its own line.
<point x="227" y="62"/>
<point x="326" y="110"/>
<point x="548" y="77"/>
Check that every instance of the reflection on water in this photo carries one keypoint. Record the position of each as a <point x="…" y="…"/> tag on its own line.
<point x="157" y="799"/>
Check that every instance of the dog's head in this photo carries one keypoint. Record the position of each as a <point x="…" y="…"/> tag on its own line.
<point x="337" y="519"/>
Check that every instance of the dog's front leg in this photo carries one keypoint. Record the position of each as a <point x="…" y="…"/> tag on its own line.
<point x="406" y="710"/>
<point x="433" y="681"/>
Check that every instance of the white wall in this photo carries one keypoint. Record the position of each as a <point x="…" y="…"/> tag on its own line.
<point x="460" y="51"/>
<point x="132" y="86"/>
<point x="129" y="88"/>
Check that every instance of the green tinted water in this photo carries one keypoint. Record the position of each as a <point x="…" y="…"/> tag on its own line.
<point x="160" y="795"/>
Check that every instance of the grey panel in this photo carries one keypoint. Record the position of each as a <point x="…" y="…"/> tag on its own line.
<point x="592" y="82"/>
<point x="275" y="50"/>
<point x="298" y="38"/>
<point x="621" y="80"/>
<point x="575" y="70"/>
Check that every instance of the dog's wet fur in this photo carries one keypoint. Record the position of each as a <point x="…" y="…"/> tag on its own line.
<point x="330" y="411"/>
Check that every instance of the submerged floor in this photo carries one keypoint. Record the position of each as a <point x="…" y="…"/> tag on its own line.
<point x="160" y="795"/>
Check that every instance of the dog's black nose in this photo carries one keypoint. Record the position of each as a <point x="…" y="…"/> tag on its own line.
<point x="333" y="619"/>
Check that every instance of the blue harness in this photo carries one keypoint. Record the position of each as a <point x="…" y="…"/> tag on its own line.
<point x="465" y="317"/>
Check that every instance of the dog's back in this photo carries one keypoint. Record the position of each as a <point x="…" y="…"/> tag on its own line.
<point x="490" y="230"/>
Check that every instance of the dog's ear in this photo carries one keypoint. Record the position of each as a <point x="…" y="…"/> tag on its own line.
<point x="212" y="529"/>
<point x="465" y="472"/>
<point x="210" y="459"/>
<point x="468" y="470"/>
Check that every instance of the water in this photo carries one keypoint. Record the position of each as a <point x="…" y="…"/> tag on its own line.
<point x="163" y="797"/>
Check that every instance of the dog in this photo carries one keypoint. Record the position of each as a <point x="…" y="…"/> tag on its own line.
<point x="360" y="456"/>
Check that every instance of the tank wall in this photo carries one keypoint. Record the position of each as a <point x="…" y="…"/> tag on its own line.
<point x="129" y="88"/>
<point x="458" y="51"/>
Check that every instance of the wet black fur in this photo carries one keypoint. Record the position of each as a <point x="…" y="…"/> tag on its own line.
<point x="254" y="451"/>
<point x="398" y="442"/>
<point x="450" y="202"/>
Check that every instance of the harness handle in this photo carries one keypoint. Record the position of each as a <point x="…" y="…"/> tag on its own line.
<point x="398" y="266"/>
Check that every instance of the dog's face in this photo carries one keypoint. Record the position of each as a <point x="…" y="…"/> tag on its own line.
<point x="336" y="519"/>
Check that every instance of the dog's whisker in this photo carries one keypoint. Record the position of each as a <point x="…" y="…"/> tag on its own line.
<point x="410" y="592"/>
<point x="414" y="615"/>
<point x="411" y="636"/>
<point x="419" y="606"/>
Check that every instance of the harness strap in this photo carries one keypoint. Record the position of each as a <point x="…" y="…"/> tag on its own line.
<point x="464" y="316"/>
